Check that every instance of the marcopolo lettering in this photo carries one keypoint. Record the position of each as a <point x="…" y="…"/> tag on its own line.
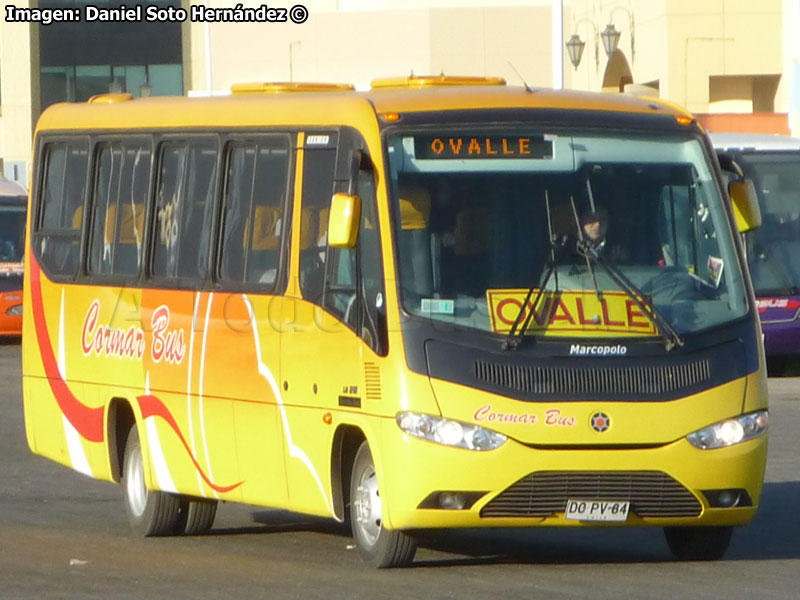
<point x="599" y="350"/>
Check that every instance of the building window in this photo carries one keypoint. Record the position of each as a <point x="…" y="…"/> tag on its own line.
<point x="143" y="58"/>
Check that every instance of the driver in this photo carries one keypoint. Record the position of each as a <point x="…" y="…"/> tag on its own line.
<point x="594" y="224"/>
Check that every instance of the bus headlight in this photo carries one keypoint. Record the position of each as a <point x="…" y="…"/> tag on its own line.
<point x="15" y="310"/>
<point x="730" y="432"/>
<point x="449" y="432"/>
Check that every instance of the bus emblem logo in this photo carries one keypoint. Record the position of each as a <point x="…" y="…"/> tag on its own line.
<point x="600" y="422"/>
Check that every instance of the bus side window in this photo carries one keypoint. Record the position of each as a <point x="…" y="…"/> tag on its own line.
<point x="184" y="202"/>
<point x="318" y="175"/>
<point x="372" y="319"/>
<point x="57" y="238"/>
<point x="252" y="217"/>
<point x="120" y="195"/>
<point x="354" y="280"/>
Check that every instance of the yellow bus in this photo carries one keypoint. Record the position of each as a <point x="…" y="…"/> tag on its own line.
<point x="442" y="302"/>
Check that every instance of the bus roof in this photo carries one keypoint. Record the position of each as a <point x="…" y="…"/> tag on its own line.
<point x="750" y="142"/>
<point x="290" y="104"/>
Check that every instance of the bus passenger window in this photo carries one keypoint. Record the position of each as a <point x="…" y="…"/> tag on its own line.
<point x="120" y="194"/>
<point x="183" y="210"/>
<point x="252" y="217"/>
<point x="57" y="239"/>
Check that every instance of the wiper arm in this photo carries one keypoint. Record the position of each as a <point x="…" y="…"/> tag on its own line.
<point x="514" y="337"/>
<point x="584" y="246"/>
<point x="665" y="330"/>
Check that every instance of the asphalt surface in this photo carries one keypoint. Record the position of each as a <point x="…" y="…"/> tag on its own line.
<point x="63" y="535"/>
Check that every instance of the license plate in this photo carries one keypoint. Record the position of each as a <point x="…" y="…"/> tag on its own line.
<point x="597" y="510"/>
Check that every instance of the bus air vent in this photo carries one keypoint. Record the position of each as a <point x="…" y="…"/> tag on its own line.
<point x="111" y="98"/>
<point x="372" y="381"/>
<point x="281" y="87"/>
<point x="425" y="81"/>
<point x="545" y="493"/>
<point x="636" y="380"/>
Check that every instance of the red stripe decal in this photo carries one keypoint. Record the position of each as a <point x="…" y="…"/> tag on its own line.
<point x="152" y="406"/>
<point x="88" y="422"/>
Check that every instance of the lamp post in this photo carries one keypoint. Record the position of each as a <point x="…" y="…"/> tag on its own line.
<point x="291" y="59"/>
<point x="631" y="25"/>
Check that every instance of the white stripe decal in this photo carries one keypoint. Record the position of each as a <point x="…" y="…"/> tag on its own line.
<point x="190" y="373"/>
<point x="294" y="451"/>
<point x="77" y="454"/>
<point x="201" y="389"/>
<point x="62" y="357"/>
<point x="163" y="478"/>
<point x="75" y="446"/>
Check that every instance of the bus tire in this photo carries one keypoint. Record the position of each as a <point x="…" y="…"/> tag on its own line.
<point x="698" y="543"/>
<point x="150" y="513"/>
<point x="378" y="546"/>
<point x="197" y="515"/>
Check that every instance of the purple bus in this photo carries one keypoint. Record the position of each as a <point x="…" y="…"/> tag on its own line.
<point x="773" y="250"/>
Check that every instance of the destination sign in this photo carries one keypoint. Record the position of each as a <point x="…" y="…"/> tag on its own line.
<point x="482" y="147"/>
<point x="570" y="312"/>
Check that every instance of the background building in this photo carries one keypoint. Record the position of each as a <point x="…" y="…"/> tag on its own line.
<point x="734" y="63"/>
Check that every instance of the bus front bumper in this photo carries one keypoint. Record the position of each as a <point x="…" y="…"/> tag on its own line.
<point x="435" y="486"/>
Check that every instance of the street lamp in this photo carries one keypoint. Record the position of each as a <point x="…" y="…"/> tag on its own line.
<point x="575" y="47"/>
<point x="610" y="37"/>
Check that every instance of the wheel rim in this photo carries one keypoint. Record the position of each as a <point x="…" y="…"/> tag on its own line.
<point x="367" y="502"/>
<point x="134" y="482"/>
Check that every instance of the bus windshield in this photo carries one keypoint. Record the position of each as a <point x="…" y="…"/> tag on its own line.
<point x="773" y="250"/>
<point x="12" y="231"/>
<point x="486" y="218"/>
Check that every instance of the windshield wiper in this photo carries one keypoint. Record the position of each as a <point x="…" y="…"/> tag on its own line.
<point x="583" y="243"/>
<point x="668" y="334"/>
<point x="514" y="337"/>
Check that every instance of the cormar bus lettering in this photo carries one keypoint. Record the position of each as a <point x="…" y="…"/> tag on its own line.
<point x="554" y="417"/>
<point x="168" y="345"/>
<point x="485" y="413"/>
<point x="582" y="350"/>
<point x="102" y="339"/>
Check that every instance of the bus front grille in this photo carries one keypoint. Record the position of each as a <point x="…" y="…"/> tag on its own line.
<point x="611" y="380"/>
<point x="542" y="494"/>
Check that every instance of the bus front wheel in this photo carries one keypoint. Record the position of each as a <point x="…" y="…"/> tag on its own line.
<point x="698" y="543"/>
<point x="150" y="513"/>
<point x="377" y="545"/>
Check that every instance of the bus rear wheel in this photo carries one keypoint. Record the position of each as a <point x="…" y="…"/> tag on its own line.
<point x="377" y="545"/>
<point x="150" y="513"/>
<point x="196" y="515"/>
<point x="698" y="543"/>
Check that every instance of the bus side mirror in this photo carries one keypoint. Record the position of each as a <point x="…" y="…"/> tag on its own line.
<point x="343" y="220"/>
<point x="745" y="205"/>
